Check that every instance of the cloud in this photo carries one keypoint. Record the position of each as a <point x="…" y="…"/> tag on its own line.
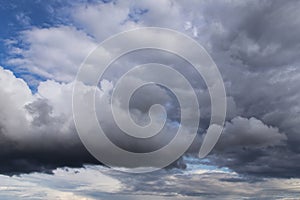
<point x="250" y="147"/>
<point x="194" y="183"/>
<point x="34" y="136"/>
<point x="23" y="19"/>
<point x="249" y="132"/>
<point x="97" y="20"/>
<point x="38" y="132"/>
<point x="53" y="53"/>
<point x="250" y="41"/>
<point x="256" y="54"/>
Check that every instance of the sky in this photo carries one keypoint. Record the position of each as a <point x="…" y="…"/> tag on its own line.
<point x="255" y="45"/>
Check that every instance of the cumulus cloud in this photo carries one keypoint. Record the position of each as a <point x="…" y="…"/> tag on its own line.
<point x="38" y="132"/>
<point x="249" y="132"/>
<point x="53" y="53"/>
<point x="97" y="19"/>
<point x="248" y="146"/>
<point x="34" y="136"/>
<point x="250" y="41"/>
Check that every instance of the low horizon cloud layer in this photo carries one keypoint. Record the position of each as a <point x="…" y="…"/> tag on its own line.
<point x="98" y="182"/>
<point x="255" y="45"/>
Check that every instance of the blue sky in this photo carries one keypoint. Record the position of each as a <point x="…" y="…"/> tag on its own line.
<point x="18" y="16"/>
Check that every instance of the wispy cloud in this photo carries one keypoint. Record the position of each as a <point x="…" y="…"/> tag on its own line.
<point x="94" y="182"/>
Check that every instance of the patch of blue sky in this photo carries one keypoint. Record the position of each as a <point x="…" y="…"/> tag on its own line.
<point x="17" y="16"/>
<point x="136" y="13"/>
<point x="195" y="164"/>
<point x="20" y="15"/>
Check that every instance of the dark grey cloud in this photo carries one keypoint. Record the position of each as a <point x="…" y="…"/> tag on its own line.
<point x="256" y="33"/>
<point x="254" y="43"/>
<point x="43" y="152"/>
<point x="256" y="47"/>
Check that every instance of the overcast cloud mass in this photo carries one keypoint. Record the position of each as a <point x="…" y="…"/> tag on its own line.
<point x="256" y="46"/>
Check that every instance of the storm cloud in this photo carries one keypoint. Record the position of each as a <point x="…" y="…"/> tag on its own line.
<point x="255" y="44"/>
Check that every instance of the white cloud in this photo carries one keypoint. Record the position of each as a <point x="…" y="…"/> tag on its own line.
<point x="35" y="120"/>
<point x="15" y="94"/>
<point x="103" y="20"/>
<point x="54" y="53"/>
<point x="57" y="52"/>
